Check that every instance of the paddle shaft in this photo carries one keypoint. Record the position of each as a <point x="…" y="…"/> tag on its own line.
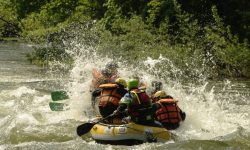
<point x="86" y="127"/>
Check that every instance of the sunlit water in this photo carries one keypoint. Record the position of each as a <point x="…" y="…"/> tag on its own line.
<point x="218" y="114"/>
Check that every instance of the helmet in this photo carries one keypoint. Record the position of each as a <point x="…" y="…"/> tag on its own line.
<point x="106" y="72"/>
<point x="160" y="94"/>
<point x="111" y="65"/>
<point x="133" y="83"/>
<point x="121" y="81"/>
<point x="157" y="85"/>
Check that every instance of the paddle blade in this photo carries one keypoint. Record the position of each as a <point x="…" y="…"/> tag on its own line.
<point x="59" y="95"/>
<point x="58" y="106"/>
<point x="84" y="128"/>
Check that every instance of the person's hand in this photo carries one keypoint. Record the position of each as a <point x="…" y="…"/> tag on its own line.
<point x="183" y="116"/>
<point x="115" y="112"/>
<point x="124" y="113"/>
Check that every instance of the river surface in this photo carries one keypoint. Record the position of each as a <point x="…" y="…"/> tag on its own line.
<point x="218" y="115"/>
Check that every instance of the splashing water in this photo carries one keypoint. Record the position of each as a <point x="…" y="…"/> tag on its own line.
<point x="216" y="111"/>
<point x="210" y="111"/>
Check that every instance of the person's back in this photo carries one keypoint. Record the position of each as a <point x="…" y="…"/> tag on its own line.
<point x="140" y="108"/>
<point x="138" y="104"/>
<point x="110" y="96"/>
<point x="168" y="112"/>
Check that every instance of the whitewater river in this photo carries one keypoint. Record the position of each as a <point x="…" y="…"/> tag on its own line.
<point x="218" y="115"/>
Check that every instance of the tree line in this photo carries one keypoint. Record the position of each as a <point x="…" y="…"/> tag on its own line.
<point x="205" y="36"/>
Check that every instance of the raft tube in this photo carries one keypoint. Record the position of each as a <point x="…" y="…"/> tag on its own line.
<point x="128" y="134"/>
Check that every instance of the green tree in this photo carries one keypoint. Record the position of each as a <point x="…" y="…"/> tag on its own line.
<point x="25" y="7"/>
<point x="8" y="19"/>
<point x="158" y="11"/>
<point x="235" y="13"/>
<point x="229" y="56"/>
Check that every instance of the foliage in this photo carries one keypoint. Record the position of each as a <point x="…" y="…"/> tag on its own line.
<point x="235" y="13"/>
<point x="158" y="11"/>
<point x="8" y="19"/>
<point x="229" y="55"/>
<point x="51" y="51"/>
<point x="189" y="35"/>
<point x="133" y="34"/>
<point x="48" y="26"/>
<point x="25" y="7"/>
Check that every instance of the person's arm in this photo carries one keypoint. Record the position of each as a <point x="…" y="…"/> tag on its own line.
<point x="121" y="91"/>
<point x="182" y="113"/>
<point x="96" y="73"/>
<point x="96" y="92"/>
<point x="122" y="107"/>
<point x="183" y="116"/>
<point x="155" y="107"/>
<point x="123" y="104"/>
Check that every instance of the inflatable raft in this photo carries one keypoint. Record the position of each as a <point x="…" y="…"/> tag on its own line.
<point x="128" y="134"/>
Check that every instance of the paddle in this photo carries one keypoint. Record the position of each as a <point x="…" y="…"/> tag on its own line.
<point x="86" y="127"/>
<point x="56" y="106"/>
<point x="59" y="95"/>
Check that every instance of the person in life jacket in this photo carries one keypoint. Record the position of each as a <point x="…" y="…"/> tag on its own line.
<point x="138" y="105"/>
<point x="107" y="75"/>
<point x="142" y="84"/>
<point x="167" y="111"/>
<point x="111" y="93"/>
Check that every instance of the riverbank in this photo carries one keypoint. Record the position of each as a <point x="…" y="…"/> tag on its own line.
<point x="10" y="39"/>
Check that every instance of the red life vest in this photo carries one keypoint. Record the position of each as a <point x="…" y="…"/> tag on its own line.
<point x="141" y="104"/>
<point x="109" y="95"/>
<point x="169" y="111"/>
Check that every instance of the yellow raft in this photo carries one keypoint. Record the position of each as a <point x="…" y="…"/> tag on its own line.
<point x="128" y="134"/>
